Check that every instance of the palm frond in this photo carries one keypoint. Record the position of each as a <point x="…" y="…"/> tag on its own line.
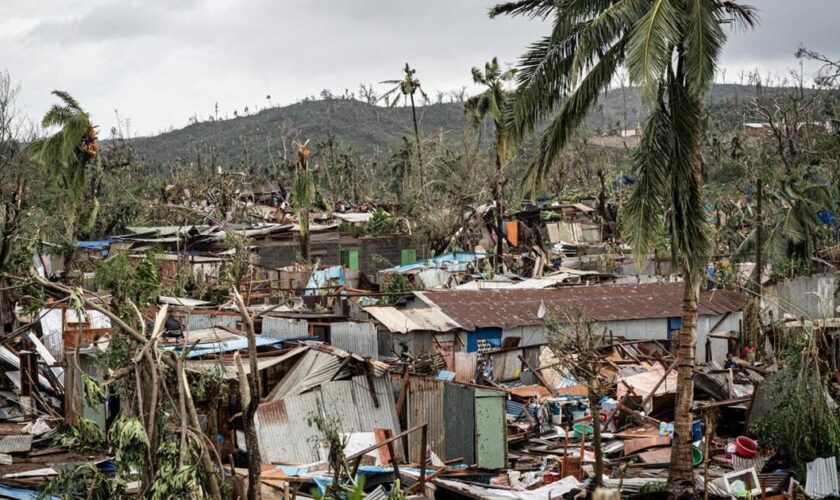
<point x="68" y="100"/>
<point x="689" y="227"/>
<point x="646" y="205"/>
<point x="570" y="116"/>
<point x="704" y="41"/>
<point x="530" y="8"/>
<point x="651" y="44"/>
<point x="611" y="23"/>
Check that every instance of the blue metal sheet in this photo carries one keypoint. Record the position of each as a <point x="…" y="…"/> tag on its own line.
<point x="228" y="346"/>
<point x="492" y="335"/>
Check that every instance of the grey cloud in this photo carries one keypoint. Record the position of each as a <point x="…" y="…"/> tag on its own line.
<point x="160" y="61"/>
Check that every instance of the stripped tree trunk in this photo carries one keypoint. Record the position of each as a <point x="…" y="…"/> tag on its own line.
<point x="250" y="406"/>
<point x="595" y="408"/>
<point x="498" y="198"/>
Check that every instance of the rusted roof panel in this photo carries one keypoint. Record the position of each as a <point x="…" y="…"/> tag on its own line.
<point x="510" y="308"/>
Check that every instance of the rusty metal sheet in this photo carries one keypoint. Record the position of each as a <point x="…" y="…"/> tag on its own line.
<point x="510" y="308"/>
<point x="465" y="365"/>
<point x="284" y="432"/>
<point x="425" y="404"/>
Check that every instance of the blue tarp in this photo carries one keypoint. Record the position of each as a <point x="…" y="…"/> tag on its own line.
<point x="228" y="346"/>
<point x="450" y="259"/>
<point x="94" y="245"/>
<point x="21" y="493"/>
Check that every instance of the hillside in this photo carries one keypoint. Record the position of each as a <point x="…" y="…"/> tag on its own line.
<point x="368" y="129"/>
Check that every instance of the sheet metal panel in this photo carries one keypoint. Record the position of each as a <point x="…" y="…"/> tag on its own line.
<point x="490" y="429"/>
<point x="204" y="321"/>
<point x="410" y="320"/>
<point x="284" y="328"/>
<point x="351" y="402"/>
<point x="313" y="369"/>
<point x="284" y="433"/>
<point x="359" y="338"/>
<point x="465" y="363"/>
<point x="52" y="326"/>
<point x="459" y="401"/>
<point x="16" y="443"/>
<point x="425" y="404"/>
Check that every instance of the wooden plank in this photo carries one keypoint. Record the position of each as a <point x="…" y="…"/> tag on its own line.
<point x="633" y="445"/>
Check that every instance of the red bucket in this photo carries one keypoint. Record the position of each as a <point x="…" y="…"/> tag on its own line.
<point x="746" y="447"/>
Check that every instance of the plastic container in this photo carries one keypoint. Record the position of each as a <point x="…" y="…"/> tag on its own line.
<point x="697" y="431"/>
<point x="746" y="447"/>
<point x="578" y="414"/>
<point x="696" y="456"/>
<point x="582" y="430"/>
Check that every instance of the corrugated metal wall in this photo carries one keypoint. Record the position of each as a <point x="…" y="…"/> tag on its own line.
<point x="202" y="321"/>
<point x="283" y="430"/>
<point x="719" y="346"/>
<point x="528" y="335"/>
<point x="459" y="402"/>
<point x="284" y="328"/>
<point x="809" y="296"/>
<point x="351" y="402"/>
<point x="359" y="338"/>
<point x="425" y="404"/>
<point x="465" y="363"/>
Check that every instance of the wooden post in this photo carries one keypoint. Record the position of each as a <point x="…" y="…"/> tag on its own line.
<point x="393" y="454"/>
<point x="423" y="441"/>
<point x="28" y="380"/>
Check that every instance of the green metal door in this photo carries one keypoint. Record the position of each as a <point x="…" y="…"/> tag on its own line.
<point x="350" y="259"/>
<point x="408" y="256"/>
<point x="490" y="429"/>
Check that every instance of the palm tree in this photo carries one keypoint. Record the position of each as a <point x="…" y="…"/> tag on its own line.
<point x="408" y="86"/>
<point x="303" y="194"/>
<point x="69" y="151"/>
<point x="670" y="49"/>
<point x="793" y="220"/>
<point x="494" y="101"/>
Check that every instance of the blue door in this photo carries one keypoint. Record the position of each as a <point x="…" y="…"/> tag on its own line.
<point x="493" y="336"/>
<point x="674" y="324"/>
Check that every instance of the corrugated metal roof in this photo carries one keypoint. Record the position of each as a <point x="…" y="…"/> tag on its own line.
<point x="411" y="320"/>
<point x="228" y="366"/>
<point x="509" y="308"/>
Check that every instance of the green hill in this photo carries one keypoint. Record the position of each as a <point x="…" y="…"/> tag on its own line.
<point x="369" y="129"/>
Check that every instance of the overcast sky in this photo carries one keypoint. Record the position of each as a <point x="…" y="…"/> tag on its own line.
<point x="158" y="62"/>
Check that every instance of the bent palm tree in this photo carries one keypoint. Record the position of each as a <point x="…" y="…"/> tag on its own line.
<point x="793" y="221"/>
<point x="69" y="150"/>
<point x="670" y="49"/>
<point x="494" y="101"/>
<point x="408" y="86"/>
